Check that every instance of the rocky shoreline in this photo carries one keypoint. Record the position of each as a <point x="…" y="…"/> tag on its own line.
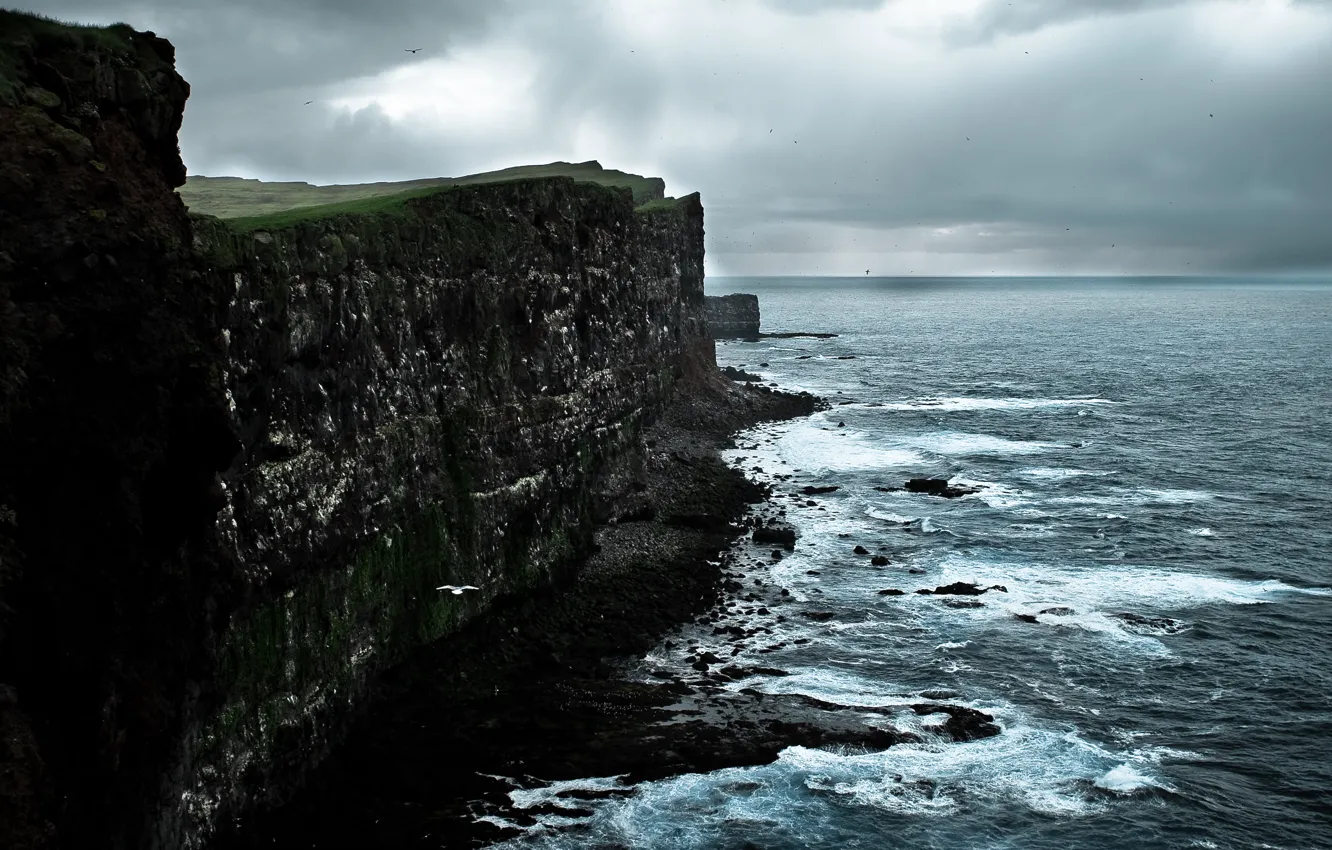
<point x="538" y="691"/>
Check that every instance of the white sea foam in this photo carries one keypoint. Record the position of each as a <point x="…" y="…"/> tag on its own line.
<point x="816" y="451"/>
<point x="889" y="516"/>
<point x="959" y="443"/>
<point x="1097" y="592"/>
<point x="1054" y="473"/>
<point x="1202" y="532"/>
<point x="951" y="404"/>
<point x="1038" y="769"/>
<point x="1145" y="496"/>
<point x="1124" y="779"/>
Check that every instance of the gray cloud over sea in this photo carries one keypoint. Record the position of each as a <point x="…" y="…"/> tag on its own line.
<point x="829" y="137"/>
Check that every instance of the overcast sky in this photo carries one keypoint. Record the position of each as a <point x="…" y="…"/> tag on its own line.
<point x="826" y="136"/>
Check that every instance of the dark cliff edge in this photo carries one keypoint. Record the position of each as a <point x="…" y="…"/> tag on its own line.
<point x="732" y="316"/>
<point x="237" y="462"/>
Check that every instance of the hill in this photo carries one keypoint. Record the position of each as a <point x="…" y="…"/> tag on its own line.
<point x="238" y="197"/>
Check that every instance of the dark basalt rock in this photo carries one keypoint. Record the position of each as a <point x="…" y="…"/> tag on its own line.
<point x="279" y="442"/>
<point x="963" y="603"/>
<point x="861" y="550"/>
<point x="892" y="591"/>
<point x="1058" y="611"/>
<point x="964" y="724"/>
<point x="880" y="561"/>
<point x="819" y="491"/>
<point x="732" y="316"/>
<point x="961" y="588"/>
<point x="818" y="616"/>
<point x="784" y="535"/>
<point x="703" y="522"/>
<point x="938" y="487"/>
<point x="1139" y="624"/>
<point x="739" y="374"/>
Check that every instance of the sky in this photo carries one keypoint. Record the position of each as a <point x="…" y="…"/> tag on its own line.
<point x="921" y="137"/>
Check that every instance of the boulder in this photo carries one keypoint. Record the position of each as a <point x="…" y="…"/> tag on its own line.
<point x="938" y="487"/>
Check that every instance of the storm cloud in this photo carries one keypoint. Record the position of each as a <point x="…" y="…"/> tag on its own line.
<point x="907" y="136"/>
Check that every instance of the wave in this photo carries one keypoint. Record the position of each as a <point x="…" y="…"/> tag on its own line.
<point x="960" y="403"/>
<point x="815" y="451"/>
<point x="1125" y="779"/>
<point x="1139" y="496"/>
<point x="1117" y="601"/>
<point x="1050" y="473"/>
<point x="966" y="444"/>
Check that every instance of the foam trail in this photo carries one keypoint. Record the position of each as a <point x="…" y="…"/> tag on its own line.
<point x="952" y="404"/>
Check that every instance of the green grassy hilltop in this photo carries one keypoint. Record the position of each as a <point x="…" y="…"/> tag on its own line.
<point x="247" y="201"/>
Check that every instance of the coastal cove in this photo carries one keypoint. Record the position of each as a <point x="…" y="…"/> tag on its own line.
<point x="471" y="512"/>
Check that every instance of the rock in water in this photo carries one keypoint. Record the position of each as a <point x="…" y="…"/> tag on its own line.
<point x="938" y="487"/>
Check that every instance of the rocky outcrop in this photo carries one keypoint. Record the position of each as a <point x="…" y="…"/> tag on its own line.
<point x="731" y="316"/>
<point x="235" y="465"/>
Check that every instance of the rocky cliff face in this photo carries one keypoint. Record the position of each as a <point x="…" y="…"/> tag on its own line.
<point x="732" y="315"/>
<point x="235" y="466"/>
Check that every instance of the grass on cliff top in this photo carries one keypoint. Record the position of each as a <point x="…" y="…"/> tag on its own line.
<point x="22" y="32"/>
<point x="236" y="198"/>
<point x="288" y="217"/>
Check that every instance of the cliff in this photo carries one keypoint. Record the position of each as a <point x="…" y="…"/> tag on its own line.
<point x="731" y="316"/>
<point x="236" y="461"/>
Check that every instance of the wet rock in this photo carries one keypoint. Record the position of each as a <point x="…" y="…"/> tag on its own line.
<point x="957" y="588"/>
<point x="1058" y="611"/>
<point x="1026" y="618"/>
<point x="819" y="491"/>
<point x="963" y="603"/>
<point x="818" y="616"/>
<point x="739" y="374"/>
<point x="880" y="561"/>
<point x="892" y="591"/>
<point x="1154" y="626"/>
<point x="860" y="550"/>
<point x="964" y="723"/>
<point x="938" y="487"/>
<point x="783" y="535"/>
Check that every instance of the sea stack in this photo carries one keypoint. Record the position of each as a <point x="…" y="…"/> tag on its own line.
<point x="732" y="316"/>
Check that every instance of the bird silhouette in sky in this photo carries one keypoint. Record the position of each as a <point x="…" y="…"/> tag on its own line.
<point x="866" y="271"/>
<point x="308" y="102"/>
<point x="412" y="49"/>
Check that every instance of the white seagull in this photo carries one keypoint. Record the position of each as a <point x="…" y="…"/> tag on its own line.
<point x="456" y="590"/>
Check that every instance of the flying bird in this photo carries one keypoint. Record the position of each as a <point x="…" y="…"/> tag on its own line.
<point x="866" y="271"/>
<point x="456" y="590"/>
<point x="412" y="49"/>
<point x="308" y="102"/>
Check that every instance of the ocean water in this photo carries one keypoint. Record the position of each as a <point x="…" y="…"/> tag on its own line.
<point x="1157" y="449"/>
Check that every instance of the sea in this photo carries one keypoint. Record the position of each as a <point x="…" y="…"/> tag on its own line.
<point x="1152" y="459"/>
